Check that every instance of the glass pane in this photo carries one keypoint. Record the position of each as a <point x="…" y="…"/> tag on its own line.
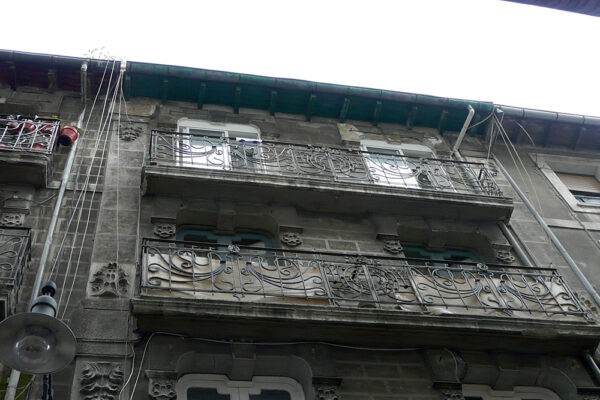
<point x="203" y="132"/>
<point x="271" y="394"/>
<point x="205" y="394"/>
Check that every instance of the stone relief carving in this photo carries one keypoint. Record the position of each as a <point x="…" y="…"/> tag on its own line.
<point x="392" y="246"/>
<point x="161" y="385"/>
<point x="165" y="231"/>
<point x="101" y="380"/>
<point x="110" y="281"/>
<point x="587" y="303"/>
<point x="452" y="395"/>
<point x="291" y="239"/>
<point x="504" y="254"/>
<point x="327" y="392"/>
<point x="129" y="133"/>
<point x="12" y="219"/>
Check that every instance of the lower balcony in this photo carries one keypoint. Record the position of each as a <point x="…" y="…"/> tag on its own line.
<point x="210" y="272"/>
<point x="15" y="246"/>
<point x="320" y="178"/>
<point x="26" y="148"/>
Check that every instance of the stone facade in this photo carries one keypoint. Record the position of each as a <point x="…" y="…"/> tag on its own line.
<point x="125" y="300"/>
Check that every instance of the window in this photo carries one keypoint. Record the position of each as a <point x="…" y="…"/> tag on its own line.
<point x="585" y="188"/>
<point x="212" y="145"/>
<point x="237" y="238"/>
<point x="219" y="387"/>
<point x="452" y="255"/>
<point x="397" y="164"/>
<point x="482" y="392"/>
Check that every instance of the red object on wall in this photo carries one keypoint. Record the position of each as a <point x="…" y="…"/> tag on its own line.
<point x="68" y="135"/>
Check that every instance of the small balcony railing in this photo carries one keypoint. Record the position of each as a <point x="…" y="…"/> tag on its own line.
<point x="210" y="271"/>
<point x="14" y="256"/>
<point x="36" y="135"/>
<point x="320" y="163"/>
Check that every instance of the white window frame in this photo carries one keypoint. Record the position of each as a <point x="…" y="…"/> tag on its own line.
<point x="548" y="164"/>
<point x="238" y="390"/>
<point x="185" y="125"/>
<point x="517" y="393"/>
<point x="400" y="148"/>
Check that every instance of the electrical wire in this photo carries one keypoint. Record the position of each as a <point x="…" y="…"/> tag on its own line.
<point x="26" y="387"/>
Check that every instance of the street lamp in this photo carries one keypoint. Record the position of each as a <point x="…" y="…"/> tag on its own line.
<point x="36" y="342"/>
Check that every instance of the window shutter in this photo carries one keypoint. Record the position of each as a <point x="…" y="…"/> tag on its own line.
<point x="580" y="183"/>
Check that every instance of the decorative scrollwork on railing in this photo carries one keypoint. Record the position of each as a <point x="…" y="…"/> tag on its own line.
<point x="320" y="163"/>
<point x="28" y="134"/>
<point x="14" y="256"/>
<point x="278" y="275"/>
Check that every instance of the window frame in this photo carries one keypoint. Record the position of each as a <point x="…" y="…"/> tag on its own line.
<point x="550" y="164"/>
<point x="517" y="393"/>
<point x="238" y="390"/>
<point x="250" y="133"/>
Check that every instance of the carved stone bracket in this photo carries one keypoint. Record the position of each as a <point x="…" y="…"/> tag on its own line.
<point x="291" y="239"/>
<point x="12" y="219"/>
<point x="165" y="231"/>
<point x="327" y="388"/>
<point x="391" y="244"/>
<point x="129" y="133"/>
<point x="504" y="253"/>
<point x="101" y="380"/>
<point x="110" y="281"/>
<point x="452" y="395"/>
<point x="161" y="385"/>
<point x="449" y="390"/>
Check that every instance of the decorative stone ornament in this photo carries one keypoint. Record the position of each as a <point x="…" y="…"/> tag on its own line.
<point x="327" y="388"/>
<point x="165" y="231"/>
<point x="101" y="380"/>
<point x="291" y="239"/>
<point x="392" y="246"/>
<point x="12" y="219"/>
<point x="450" y="394"/>
<point x="161" y="385"/>
<point x="110" y="281"/>
<point x="129" y="133"/>
<point x="504" y="254"/>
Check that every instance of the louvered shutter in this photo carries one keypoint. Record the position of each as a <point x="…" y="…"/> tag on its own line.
<point x="580" y="183"/>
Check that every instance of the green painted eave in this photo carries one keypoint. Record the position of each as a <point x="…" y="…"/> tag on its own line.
<point x="313" y="99"/>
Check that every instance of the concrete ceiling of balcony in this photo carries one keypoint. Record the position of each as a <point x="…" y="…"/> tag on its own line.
<point x="589" y="7"/>
<point x="311" y="99"/>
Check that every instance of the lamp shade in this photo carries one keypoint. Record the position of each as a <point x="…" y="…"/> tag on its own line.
<point x="36" y="343"/>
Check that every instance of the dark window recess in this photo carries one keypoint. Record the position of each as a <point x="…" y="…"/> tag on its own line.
<point x="206" y="394"/>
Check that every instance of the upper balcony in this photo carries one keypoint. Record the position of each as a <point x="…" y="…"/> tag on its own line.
<point x="182" y="281"/>
<point x="26" y="147"/>
<point x="320" y="178"/>
<point x="15" y="246"/>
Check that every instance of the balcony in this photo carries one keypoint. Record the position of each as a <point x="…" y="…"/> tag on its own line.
<point x="26" y="147"/>
<point x="210" y="272"/>
<point x="14" y="256"/>
<point x="320" y="178"/>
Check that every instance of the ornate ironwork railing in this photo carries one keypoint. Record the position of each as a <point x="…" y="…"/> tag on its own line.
<point x="211" y="271"/>
<point x="28" y="134"/>
<point x="320" y="163"/>
<point x="15" y="246"/>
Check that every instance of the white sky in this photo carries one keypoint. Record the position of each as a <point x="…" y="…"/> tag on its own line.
<point x="487" y="50"/>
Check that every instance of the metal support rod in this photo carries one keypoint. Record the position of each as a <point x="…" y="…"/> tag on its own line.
<point x="516" y="245"/>
<point x="592" y="364"/>
<point x="551" y="235"/>
<point x="463" y="131"/>
<point x="13" y="381"/>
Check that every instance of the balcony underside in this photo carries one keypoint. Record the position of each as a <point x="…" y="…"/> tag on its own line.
<point x="319" y="195"/>
<point x="24" y="168"/>
<point x="293" y="322"/>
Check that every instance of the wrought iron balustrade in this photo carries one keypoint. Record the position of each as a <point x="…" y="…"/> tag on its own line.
<point x="36" y="135"/>
<point x="320" y="163"/>
<point x="15" y="246"/>
<point x="211" y="271"/>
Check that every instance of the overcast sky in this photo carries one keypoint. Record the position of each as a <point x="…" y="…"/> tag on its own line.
<point x="487" y="50"/>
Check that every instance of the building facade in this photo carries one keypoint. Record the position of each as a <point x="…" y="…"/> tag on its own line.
<point x="227" y="236"/>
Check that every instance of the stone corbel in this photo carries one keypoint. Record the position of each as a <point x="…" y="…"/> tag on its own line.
<point x="503" y="253"/>
<point x="449" y="391"/>
<point x="161" y="384"/>
<point x="391" y="244"/>
<point x="164" y="228"/>
<point x="290" y="236"/>
<point x="327" y="388"/>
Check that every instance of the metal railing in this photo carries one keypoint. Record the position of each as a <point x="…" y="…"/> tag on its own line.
<point x="211" y="271"/>
<point x="15" y="252"/>
<point x="320" y="163"/>
<point x="34" y="134"/>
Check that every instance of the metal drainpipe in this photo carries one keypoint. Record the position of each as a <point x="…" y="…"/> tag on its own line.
<point x="563" y="252"/>
<point x="15" y="375"/>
